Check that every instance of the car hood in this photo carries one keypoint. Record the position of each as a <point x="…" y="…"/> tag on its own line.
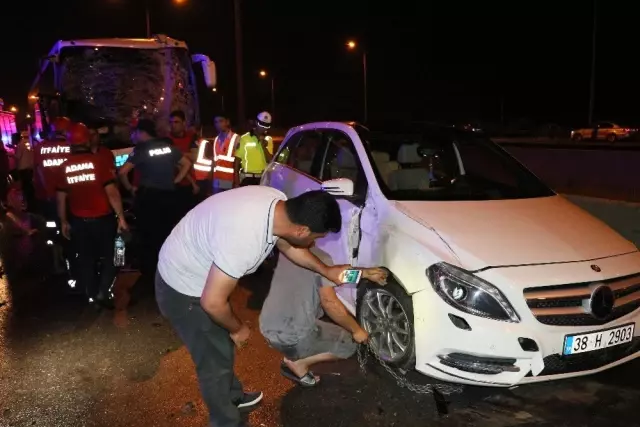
<point x="497" y="233"/>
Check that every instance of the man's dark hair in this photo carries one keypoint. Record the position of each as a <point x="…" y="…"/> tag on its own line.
<point x="147" y="126"/>
<point x="317" y="210"/>
<point x="179" y="114"/>
<point x="222" y="115"/>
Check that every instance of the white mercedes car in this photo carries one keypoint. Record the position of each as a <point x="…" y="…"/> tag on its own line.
<point x="495" y="279"/>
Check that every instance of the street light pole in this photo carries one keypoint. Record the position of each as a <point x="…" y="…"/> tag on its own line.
<point x="215" y="90"/>
<point x="273" y="96"/>
<point x="148" y="18"/>
<point x="239" y="69"/>
<point x="592" y="89"/>
<point x="352" y="45"/>
<point x="264" y="74"/>
<point x="364" y="72"/>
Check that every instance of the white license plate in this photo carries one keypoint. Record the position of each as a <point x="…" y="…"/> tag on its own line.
<point x="582" y="343"/>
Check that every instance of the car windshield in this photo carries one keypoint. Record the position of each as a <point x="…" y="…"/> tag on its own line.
<point x="444" y="164"/>
<point x="112" y="85"/>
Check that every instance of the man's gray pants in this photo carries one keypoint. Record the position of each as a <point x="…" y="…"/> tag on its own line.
<point x="211" y="349"/>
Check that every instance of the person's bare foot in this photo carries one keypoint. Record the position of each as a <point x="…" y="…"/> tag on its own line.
<point x="298" y="369"/>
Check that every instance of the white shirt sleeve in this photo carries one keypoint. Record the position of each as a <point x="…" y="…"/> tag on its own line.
<point x="235" y="259"/>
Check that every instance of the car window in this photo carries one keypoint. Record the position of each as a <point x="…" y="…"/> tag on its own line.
<point x="447" y="165"/>
<point x="605" y="125"/>
<point x="341" y="160"/>
<point x="301" y="152"/>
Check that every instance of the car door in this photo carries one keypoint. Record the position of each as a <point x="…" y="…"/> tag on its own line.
<point x="297" y="164"/>
<point x="352" y="245"/>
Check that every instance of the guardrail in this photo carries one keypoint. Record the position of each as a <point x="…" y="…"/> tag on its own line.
<point x="611" y="173"/>
<point x="567" y="143"/>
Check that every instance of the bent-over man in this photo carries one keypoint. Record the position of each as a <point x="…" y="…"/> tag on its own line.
<point x="224" y="238"/>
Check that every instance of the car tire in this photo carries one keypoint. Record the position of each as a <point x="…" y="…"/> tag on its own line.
<point x="577" y="137"/>
<point x="403" y="305"/>
<point x="612" y="137"/>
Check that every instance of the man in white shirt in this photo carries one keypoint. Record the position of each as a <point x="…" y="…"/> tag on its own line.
<point x="219" y="241"/>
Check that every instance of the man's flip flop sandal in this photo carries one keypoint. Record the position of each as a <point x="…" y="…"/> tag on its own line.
<point x="308" y="380"/>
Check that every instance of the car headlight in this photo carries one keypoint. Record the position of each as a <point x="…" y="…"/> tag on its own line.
<point x="469" y="293"/>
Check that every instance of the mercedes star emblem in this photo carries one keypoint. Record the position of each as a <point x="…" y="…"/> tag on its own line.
<point x="596" y="268"/>
<point x="601" y="302"/>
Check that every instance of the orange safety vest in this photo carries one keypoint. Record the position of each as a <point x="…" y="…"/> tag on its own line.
<point x="202" y="166"/>
<point x="223" y="158"/>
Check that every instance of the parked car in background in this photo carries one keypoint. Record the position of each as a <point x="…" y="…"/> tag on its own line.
<point x="603" y="131"/>
<point x="494" y="279"/>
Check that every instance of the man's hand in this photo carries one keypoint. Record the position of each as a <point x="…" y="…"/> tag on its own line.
<point x="376" y="275"/>
<point x="361" y="336"/>
<point x="241" y="337"/>
<point x="133" y="191"/>
<point x="65" y="228"/>
<point x="333" y="273"/>
<point x="122" y="225"/>
<point x="195" y="189"/>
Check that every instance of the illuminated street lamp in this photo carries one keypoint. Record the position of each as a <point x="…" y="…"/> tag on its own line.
<point x="263" y="74"/>
<point x="13" y="109"/>
<point x="28" y="116"/>
<point x="352" y="45"/>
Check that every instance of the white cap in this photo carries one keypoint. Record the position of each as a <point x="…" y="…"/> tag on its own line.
<point x="264" y="120"/>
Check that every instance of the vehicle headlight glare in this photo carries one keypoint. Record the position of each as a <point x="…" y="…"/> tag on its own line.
<point x="459" y="293"/>
<point x="467" y="292"/>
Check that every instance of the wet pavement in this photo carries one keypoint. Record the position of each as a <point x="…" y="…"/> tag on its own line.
<point x="65" y="364"/>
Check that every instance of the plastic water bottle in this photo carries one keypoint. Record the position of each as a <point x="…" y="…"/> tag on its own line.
<point x="118" y="254"/>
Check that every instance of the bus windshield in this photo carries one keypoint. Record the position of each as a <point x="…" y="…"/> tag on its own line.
<point x="113" y="85"/>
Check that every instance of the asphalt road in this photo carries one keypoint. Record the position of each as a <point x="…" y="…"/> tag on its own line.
<point x="65" y="364"/>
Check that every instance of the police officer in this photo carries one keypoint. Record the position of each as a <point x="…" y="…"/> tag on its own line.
<point x="49" y="157"/>
<point x="254" y="151"/>
<point x="155" y="202"/>
<point x="89" y="188"/>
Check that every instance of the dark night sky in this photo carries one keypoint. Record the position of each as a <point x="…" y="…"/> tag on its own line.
<point x="427" y="60"/>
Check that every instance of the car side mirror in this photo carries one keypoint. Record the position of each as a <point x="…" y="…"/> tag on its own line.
<point x="208" y="69"/>
<point x="338" y="187"/>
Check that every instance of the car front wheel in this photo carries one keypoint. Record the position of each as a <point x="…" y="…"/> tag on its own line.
<point x="386" y="313"/>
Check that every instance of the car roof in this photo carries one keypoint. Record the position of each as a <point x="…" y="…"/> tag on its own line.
<point x="395" y="128"/>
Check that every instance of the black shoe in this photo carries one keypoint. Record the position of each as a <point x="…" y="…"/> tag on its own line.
<point x="105" y="302"/>
<point x="249" y="400"/>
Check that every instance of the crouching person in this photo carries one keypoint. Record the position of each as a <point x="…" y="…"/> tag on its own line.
<point x="290" y="320"/>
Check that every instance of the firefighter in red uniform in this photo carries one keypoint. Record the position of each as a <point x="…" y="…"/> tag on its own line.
<point x="48" y="158"/>
<point x="100" y="150"/>
<point x="89" y="188"/>
<point x="184" y="140"/>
